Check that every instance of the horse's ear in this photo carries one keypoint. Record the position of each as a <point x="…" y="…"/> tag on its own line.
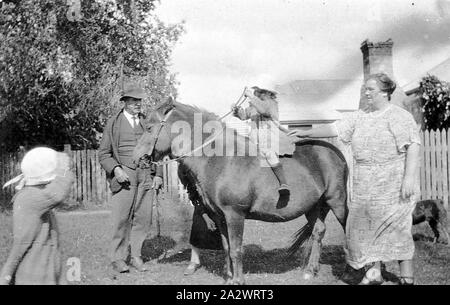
<point x="168" y="104"/>
<point x="170" y="101"/>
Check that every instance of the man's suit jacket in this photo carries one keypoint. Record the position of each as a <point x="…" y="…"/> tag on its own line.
<point x="109" y="150"/>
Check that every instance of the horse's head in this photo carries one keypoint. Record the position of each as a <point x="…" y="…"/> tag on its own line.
<point x="177" y="130"/>
<point x="156" y="141"/>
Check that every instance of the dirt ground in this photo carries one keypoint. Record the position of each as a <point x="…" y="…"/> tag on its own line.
<point x="85" y="235"/>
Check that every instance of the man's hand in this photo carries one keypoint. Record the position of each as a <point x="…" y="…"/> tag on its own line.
<point x="121" y="175"/>
<point x="209" y="222"/>
<point x="157" y="183"/>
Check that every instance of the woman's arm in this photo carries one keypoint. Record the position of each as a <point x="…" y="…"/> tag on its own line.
<point x="412" y="161"/>
<point x="324" y="131"/>
<point x="209" y="222"/>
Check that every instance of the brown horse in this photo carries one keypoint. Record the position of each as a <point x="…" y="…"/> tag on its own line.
<point x="237" y="187"/>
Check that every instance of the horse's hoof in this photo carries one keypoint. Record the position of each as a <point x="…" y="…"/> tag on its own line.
<point x="307" y="276"/>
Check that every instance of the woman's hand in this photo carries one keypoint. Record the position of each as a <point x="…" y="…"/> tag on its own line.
<point x="407" y="186"/>
<point x="209" y="222"/>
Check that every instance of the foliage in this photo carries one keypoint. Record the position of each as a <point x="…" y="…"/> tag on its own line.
<point x="60" y="80"/>
<point x="436" y="102"/>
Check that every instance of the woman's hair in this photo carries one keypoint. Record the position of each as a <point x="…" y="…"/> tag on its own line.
<point x="385" y="83"/>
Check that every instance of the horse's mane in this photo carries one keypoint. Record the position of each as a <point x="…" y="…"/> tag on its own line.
<point x="209" y="116"/>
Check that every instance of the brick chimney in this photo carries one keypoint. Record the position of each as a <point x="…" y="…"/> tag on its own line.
<point x="377" y="57"/>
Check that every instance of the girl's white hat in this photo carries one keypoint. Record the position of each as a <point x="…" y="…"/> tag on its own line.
<point x="38" y="167"/>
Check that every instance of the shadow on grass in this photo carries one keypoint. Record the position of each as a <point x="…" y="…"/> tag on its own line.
<point x="257" y="260"/>
<point x="156" y="246"/>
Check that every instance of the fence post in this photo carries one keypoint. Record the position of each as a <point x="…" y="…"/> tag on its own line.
<point x="68" y="151"/>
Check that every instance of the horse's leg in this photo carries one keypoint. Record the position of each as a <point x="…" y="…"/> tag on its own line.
<point x="337" y="201"/>
<point x="235" y="223"/>
<point x="222" y="226"/>
<point x="227" y="270"/>
<point x="316" y="240"/>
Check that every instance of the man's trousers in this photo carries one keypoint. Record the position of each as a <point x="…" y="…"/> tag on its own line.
<point x="132" y="214"/>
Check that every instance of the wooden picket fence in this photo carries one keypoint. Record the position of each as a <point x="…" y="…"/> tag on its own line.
<point x="434" y="167"/>
<point x="91" y="187"/>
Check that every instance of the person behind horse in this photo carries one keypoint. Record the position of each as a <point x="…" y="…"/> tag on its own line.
<point x="263" y="112"/>
<point x="132" y="186"/>
<point x="386" y="145"/>
<point x="204" y="232"/>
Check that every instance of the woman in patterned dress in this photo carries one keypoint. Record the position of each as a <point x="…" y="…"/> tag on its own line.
<point x="386" y="145"/>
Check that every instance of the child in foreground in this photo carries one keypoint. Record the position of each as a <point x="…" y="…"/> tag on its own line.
<point x="44" y="184"/>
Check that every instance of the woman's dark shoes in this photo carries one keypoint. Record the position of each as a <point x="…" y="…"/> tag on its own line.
<point x="138" y="264"/>
<point x="406" y="281"/>
<point x="191" y="268"/>
<point x="372" y="277"/>
<point x="366" y="281"/>
<point x="120" y="266"/>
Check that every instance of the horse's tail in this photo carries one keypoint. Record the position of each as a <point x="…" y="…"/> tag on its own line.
<point x="299" y="238"/>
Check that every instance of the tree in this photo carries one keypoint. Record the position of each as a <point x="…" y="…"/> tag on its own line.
<point x="436" y="102"/>
<point x="62" y="67"/>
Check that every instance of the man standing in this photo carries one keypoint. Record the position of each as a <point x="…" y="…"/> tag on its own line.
<point x="132" y="187"/>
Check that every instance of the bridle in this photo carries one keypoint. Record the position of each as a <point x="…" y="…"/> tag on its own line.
<point x="163" y="121"/>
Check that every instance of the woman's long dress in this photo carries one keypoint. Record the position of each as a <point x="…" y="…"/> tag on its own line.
<point x="380" y="221"/>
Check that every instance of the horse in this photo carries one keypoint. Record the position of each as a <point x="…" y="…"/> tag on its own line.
<point x="236" y="186"/>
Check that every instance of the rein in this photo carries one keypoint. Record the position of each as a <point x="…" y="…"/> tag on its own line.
<point x="163" y="121"/>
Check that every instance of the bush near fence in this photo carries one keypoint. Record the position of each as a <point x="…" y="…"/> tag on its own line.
<point x="91" y="189"/>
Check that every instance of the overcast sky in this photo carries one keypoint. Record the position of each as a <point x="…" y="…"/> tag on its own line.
<point x="229" y="44"/>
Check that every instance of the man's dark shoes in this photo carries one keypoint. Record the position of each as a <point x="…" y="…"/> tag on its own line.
<point x="138" y="264"/>
<point x="120" y="266"/>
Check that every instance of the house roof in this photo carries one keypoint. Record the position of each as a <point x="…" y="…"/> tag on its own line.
<point x="441" y="71"/>
<point x="317" y="100"/>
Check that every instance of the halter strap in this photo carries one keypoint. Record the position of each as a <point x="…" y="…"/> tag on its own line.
<point x="162" y="122"/>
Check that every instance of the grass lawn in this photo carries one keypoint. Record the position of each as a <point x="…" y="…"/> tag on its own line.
<point x="86" y="236"/>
